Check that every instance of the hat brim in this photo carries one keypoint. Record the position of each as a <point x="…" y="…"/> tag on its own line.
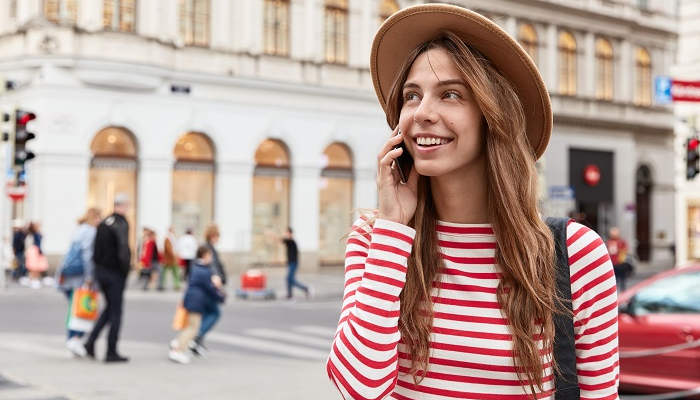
<point x="405" y="30"/>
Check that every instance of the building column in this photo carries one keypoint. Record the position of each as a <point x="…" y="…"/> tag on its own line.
<point x="304" y="213"/>
<point x="589" y="66"/>
<point x="233" y="212"/>
<point x="169" y="30"/>
<point x="365" y="186"/>
<point x="551" y="74"/>
<point x="154" y="194"/>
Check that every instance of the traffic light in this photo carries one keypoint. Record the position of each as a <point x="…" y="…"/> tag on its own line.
<point x="692" y="158"/>
<point x="22" y="136"/>
<point x="8" y="126"/>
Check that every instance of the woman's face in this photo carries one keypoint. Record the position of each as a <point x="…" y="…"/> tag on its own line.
<point x="440" y="120"/>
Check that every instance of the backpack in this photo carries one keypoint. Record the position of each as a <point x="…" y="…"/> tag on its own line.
<point x="73" y="263"/>
<point x="566" y="379"/>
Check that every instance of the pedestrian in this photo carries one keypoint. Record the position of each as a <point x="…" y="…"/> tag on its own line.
<point x="292" y="264"/>
<point x="19" y="234"/>
<point x="112" y="258"/>
<point x="200" y="297"/>
<point x="187" y="248"/>
<point x="150" y="259"/>
<point x="77" y="270"/>
<point x="617" y="247"/>
<point x="6" y="261"/>
<point x="169" y="261"/>
<point x="34" y="258"/>
<point x="453" y="285"/>
<point x="212" y="315"/>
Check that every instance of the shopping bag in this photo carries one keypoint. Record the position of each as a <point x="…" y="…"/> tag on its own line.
<point x="74" y="322"/>
<point x="180" y="318"/>
<point x="85" y="303"/>
<point x="36" y="261"/>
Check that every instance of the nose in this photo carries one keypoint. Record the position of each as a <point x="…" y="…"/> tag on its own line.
<point x="425" y="112"/>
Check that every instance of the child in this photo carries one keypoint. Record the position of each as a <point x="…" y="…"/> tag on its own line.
<point x="201" y="296"/>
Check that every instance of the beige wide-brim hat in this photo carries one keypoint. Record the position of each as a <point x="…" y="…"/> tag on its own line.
<point x="405" y="30"/>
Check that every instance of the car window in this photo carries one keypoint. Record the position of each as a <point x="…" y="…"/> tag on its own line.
<point x="674" y="294"/>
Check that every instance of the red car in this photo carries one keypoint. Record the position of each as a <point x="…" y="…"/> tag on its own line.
<point x="659" y="335"/>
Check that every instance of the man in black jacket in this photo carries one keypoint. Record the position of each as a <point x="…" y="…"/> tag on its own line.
<point x="112" y="258"/>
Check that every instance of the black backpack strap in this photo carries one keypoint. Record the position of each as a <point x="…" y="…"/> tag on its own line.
<point x="566" y="380"/>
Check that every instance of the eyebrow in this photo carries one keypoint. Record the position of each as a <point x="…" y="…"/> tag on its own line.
<point x="441" y="83"/>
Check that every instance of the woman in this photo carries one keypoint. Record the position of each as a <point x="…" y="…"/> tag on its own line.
<point x="77" y="270"/>
<point x="150" y="258"/>
<point x="35" y="259"/>
<point x="450" y="287"/>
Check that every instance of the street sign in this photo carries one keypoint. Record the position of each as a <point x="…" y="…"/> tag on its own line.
<point x="688" y="91"/>
<point x="561" y="193"/>
<point x="16" y="193"/>
<point x="662" y="89"/>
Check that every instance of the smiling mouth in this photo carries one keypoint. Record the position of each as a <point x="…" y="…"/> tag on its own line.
<point x="431" y="141"/>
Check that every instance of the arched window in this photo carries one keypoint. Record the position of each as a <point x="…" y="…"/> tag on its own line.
<point x="193" y="183"/>
<point x="567" y="64"/>
<point x="60" y="10"/>
<point x="336" y="31"/>
<point x="642" y="87"/>
<point x="335" y="203"/>
<point x="119" y="15"/>
<point x="276" y="36"/>
<point x="528" y="39"/>
<point x="604" y="69"/>
<point x="194" y="22"/>
<point x="113" y="170"/>
<point x="386" y="8"/>
<point x="270" y="202"/>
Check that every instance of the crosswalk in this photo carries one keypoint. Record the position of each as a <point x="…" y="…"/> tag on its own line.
<point x="306" y="342"/>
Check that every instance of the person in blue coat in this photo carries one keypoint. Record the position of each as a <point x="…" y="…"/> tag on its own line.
<point x="202" y="295"/>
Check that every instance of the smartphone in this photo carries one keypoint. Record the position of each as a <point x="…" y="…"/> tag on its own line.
<point x="404" y="163"/>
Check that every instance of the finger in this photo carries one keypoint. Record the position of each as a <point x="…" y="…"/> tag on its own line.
<point x="389" y="145"/>
<point x="384" y="167"/>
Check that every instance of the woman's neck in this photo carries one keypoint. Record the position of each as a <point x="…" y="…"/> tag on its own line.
<point x="461" y="196"/>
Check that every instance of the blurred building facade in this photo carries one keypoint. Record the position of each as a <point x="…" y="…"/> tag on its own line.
<point x="687" y="125"/>
<point x="260" y="114"/>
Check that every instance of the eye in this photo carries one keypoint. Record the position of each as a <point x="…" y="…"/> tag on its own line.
<point x="452" y="95"/>
<point x="408" y="96"/>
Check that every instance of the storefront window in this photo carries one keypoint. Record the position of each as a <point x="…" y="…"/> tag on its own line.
<point x="694" y="232"/>
<point x="335" y="203"/>
<point x="113" y="169"/>
<point x="270" y="202"/>
<point x="193" y="184"/>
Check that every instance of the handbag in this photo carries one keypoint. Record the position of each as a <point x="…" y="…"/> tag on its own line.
<point x="35" y="260"/>
<point x="85" y="303"/>
<point x="180" y="317"/>
<point x="75" y="321"/>
<point x="73" y="263"/>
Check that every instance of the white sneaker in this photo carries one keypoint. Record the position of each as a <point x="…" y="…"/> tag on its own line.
<point x="35" y="284"/>
<point x="178" y="357"/>
<point x="173" y="344"/>
<point x="76" y="347"/>
<point x="24" y="281"/>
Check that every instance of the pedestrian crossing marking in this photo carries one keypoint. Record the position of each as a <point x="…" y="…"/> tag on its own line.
<point x="290" y="337"/>
<point x="267" y="346"/>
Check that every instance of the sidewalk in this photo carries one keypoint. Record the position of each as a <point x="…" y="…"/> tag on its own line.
<point x="37" y="366"/>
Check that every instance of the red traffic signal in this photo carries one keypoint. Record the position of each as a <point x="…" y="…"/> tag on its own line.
<point x="23" y="117"/>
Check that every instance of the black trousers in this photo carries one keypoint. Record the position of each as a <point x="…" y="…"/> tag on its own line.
<point x="112" y="285"/>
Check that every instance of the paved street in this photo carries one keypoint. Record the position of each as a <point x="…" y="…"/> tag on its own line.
<point x="259" y="350"/>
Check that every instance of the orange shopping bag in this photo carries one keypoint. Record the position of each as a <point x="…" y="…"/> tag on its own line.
<point x="85" y="304"/>
<point x="180" y="318"/>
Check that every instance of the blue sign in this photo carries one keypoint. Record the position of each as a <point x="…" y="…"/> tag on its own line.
<point x="561" y="193"/>
<point x="662" y="90"/>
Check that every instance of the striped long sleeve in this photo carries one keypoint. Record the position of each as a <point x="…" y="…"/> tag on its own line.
<point x="364" y="358"/>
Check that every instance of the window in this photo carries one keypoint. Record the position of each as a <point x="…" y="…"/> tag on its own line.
<point x="119" y="15"/>
<point x="528" y="39"/>
<point x="113" y="170"/>
<point x="567" y="64"/>
<point x="604" y="69"/>
<point x="193" y="183"/>
<point x="270" y="202"/>
<point x="676" y="294"/>
<point x="386" y="8"/>
<point x="194" y="22"/>
<point x="336" y="31"/>
<point x="335" y="203"/>
<point x="56" y="10"/>
<point x="642" y="87"/>
<point x="276" y="36"/>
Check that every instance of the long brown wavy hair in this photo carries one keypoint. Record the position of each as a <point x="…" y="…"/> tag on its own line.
<point x="525" y="251"/>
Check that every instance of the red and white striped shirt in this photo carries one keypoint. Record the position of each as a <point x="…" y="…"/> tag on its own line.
<point x="470" y="344"/>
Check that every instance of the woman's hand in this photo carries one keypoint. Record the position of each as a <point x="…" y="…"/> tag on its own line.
<point x="397" y="201"/>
